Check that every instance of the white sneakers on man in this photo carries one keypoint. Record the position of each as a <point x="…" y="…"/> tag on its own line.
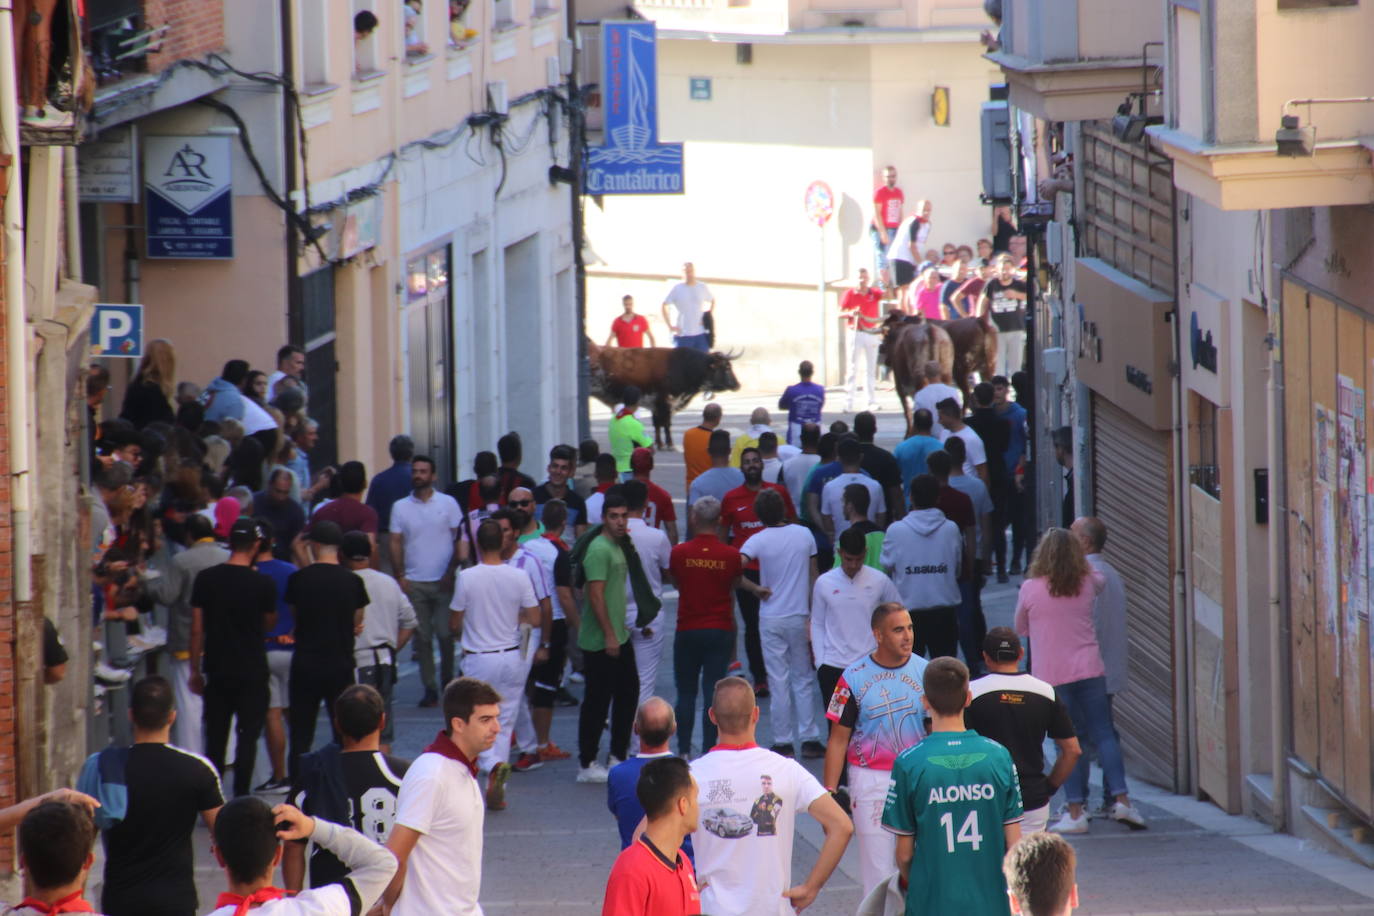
<point x="596" y="772"/>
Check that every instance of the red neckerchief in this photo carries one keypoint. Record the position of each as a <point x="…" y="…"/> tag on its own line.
<point x="625" y="412"/>
<point x="72" y="903"/>
<point x="557" y="540"/>
<point x="243" y="904"/>
<point x="735" y="747"/>
<point x="603" y="487"/>
<point x="443" y="746"/>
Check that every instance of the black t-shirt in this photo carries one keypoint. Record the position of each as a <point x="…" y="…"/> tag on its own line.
<point x="562" y="568"/>
<point x="324" y="598"/>
<point x="995" y="432"/>
<point x="372" y="781"/>
<point x="577" y="506"/>
<point x="882" y="467"/>
<point x="1007" y="314"/>
<point x="234" y="602"/>
<point x="149" y="859"/>
<point x="1018" y="712"/>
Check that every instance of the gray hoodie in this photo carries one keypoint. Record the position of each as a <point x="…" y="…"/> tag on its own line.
<point x="922" y="553"/>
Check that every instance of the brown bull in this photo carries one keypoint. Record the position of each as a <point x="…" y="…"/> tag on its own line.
<point x="668" y="377"/>
<point x="961" y="347"/>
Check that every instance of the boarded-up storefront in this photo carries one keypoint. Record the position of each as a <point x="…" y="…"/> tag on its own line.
<point x="1327" y="351"/>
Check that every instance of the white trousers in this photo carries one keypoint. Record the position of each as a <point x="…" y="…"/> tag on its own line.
<point x="795" y="710"/>
<point x="505" y="672"/>
<point x="1011" y="352"/>
<point x="188" y="731"/>
<point x="648" y="653"/>
<point x="864" y="347"/>
<point x="877" y="847"/>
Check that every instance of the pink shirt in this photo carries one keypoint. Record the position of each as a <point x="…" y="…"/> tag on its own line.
<point x="928" y="302"/>
<point x="1063" y="642"/>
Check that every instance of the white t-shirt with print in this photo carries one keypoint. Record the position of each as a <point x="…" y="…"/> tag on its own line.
<point x="689" y="300"/>
<point x="743" y="845"/>
<point x="974" y="453"/>
<point x="784" y="554"/>
<point x="440" y="800"/>
<point x="832" y="500"/>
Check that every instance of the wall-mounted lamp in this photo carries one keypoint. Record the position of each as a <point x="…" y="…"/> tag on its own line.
<point x="939" y="106"/>
<point x="1291" y="139"/>
<point x="1130" y="125"/>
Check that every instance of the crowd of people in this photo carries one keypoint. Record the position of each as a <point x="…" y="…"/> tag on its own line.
<point x="277" y="589"/>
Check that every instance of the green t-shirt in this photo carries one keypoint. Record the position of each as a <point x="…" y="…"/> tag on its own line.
<point x="604" y="561"/>
<point x="626" y="433"/>
<point x="954" y="792"/>
<point x="873" y="549"/>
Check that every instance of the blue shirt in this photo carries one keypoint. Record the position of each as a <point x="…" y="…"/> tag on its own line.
<point x="715" y="482"/>
<point x="1015" y="414"/>
<point x="280" y="571"/>
<point x="803" y="402"/>
<point x="624" y="804"/>
<point x="911" y="455"/>
<point x="387" y="487"/>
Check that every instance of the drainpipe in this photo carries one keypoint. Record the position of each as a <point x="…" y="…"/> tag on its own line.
<point x="71" y="203"/>
<point x="16" y="324"/>
<point x="1183" y="644"/>
<point x="1280" y="704"/>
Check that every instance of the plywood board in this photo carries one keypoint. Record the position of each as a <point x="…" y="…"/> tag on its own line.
<point x="1322" y="429"/>
<point x="1295" y="348"/>
<point x="1352" y="552"/>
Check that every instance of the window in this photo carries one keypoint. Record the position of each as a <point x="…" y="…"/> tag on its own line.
<point x="314" y="26"/>
<point x="413" y="25"/>
<point x="1314" y="4"/>
<point x="503" y="12"/>
<point x="365" y="26"/>
<point x="1202" y="434"/>
<point x="458" y="32"/>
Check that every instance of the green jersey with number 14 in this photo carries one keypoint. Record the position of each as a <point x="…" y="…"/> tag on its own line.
<point x="954" y="792"/>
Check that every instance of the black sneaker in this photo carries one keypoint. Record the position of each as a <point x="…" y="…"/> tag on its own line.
<point x="429" y="700"/>
<point x="813" y="750"/>
<point x="563" y="698"/>
<point x="273" y="786"/>
<point x="785" y="750"/>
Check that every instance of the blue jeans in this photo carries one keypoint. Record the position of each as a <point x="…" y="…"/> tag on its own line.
<point x="1091" y="711"/>
<point x="698" y="655"/>
<point x="879" y="250"/>
<point x="692" y="341"/>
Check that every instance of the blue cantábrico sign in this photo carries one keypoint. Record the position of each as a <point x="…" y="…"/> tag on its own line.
<point x="632" y="161"/>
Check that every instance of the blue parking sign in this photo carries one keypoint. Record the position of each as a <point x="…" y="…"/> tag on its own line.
<point x="117" y="330"/>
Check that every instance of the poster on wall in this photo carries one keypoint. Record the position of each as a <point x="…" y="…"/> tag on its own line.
<point x="190" y="197"/>
<point x="632" y="161"/>
<point x="1350" y="450"/>
<point x="1324" y="473"/>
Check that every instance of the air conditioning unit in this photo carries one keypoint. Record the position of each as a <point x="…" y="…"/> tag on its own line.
<point x="497" y="97"/>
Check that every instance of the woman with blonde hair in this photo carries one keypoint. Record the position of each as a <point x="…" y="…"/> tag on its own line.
<point x="1055" y="609"/>
<point x="148" y="398"/>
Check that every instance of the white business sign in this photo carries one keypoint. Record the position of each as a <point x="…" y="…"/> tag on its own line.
<point x="107" y="167"/>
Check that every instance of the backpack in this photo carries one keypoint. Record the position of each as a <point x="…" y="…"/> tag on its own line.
<point x="102" y="777"/>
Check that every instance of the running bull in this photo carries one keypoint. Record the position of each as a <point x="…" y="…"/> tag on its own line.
<point x="669" y="378"/>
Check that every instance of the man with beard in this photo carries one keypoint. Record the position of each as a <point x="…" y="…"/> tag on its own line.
<point x="738" y="523"/>
<point x="423" y="526"/>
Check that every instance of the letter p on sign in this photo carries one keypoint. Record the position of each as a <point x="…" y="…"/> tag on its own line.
<point x="117" y="330"/>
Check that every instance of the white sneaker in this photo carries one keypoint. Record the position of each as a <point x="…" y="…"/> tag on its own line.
<point x="107" y="674"/>
<point x="1067" y="823"/>
<point x="1128" y="815"/>
<point x="612" y="762"/>
<point x="594" y="773"/>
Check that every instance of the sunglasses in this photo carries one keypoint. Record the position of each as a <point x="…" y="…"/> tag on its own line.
<point x="519" y="503"/>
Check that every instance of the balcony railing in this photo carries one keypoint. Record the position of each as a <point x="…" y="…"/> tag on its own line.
<point x="121" y="38"/>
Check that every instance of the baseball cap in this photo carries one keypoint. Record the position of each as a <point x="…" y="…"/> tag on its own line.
<point x="327" y="533"/>
<point x="642" y="460"/>
<point x="1002" y="644"/>
<point x="244" y="527"/>
<point x="356" y="546"/>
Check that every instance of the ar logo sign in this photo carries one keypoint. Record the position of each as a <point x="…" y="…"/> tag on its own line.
<point x="187" y="172"/>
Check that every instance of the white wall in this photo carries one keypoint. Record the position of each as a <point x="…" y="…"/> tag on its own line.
<point x="798" y="113"/>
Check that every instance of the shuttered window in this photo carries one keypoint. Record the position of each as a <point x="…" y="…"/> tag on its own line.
<point x="1131" y="490"/>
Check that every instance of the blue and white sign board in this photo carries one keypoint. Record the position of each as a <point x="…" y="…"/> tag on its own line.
<point x="632" y="161"/>
<point x="117" y="330"/>
<point x="190" y="200"/>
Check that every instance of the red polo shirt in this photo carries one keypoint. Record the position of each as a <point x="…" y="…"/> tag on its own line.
<point x="629" y="333"/>
<point x="705" y="570"/>
<point x="737" y="514"/>
<point x="660" y="506"/>
<point x="888" y="203"/>
<point x="644" y="883"/>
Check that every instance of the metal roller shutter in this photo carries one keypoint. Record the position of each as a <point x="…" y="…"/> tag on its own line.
<point x="1131" y="490"/>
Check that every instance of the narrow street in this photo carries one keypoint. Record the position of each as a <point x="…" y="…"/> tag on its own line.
<point x="550" y="852"/>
